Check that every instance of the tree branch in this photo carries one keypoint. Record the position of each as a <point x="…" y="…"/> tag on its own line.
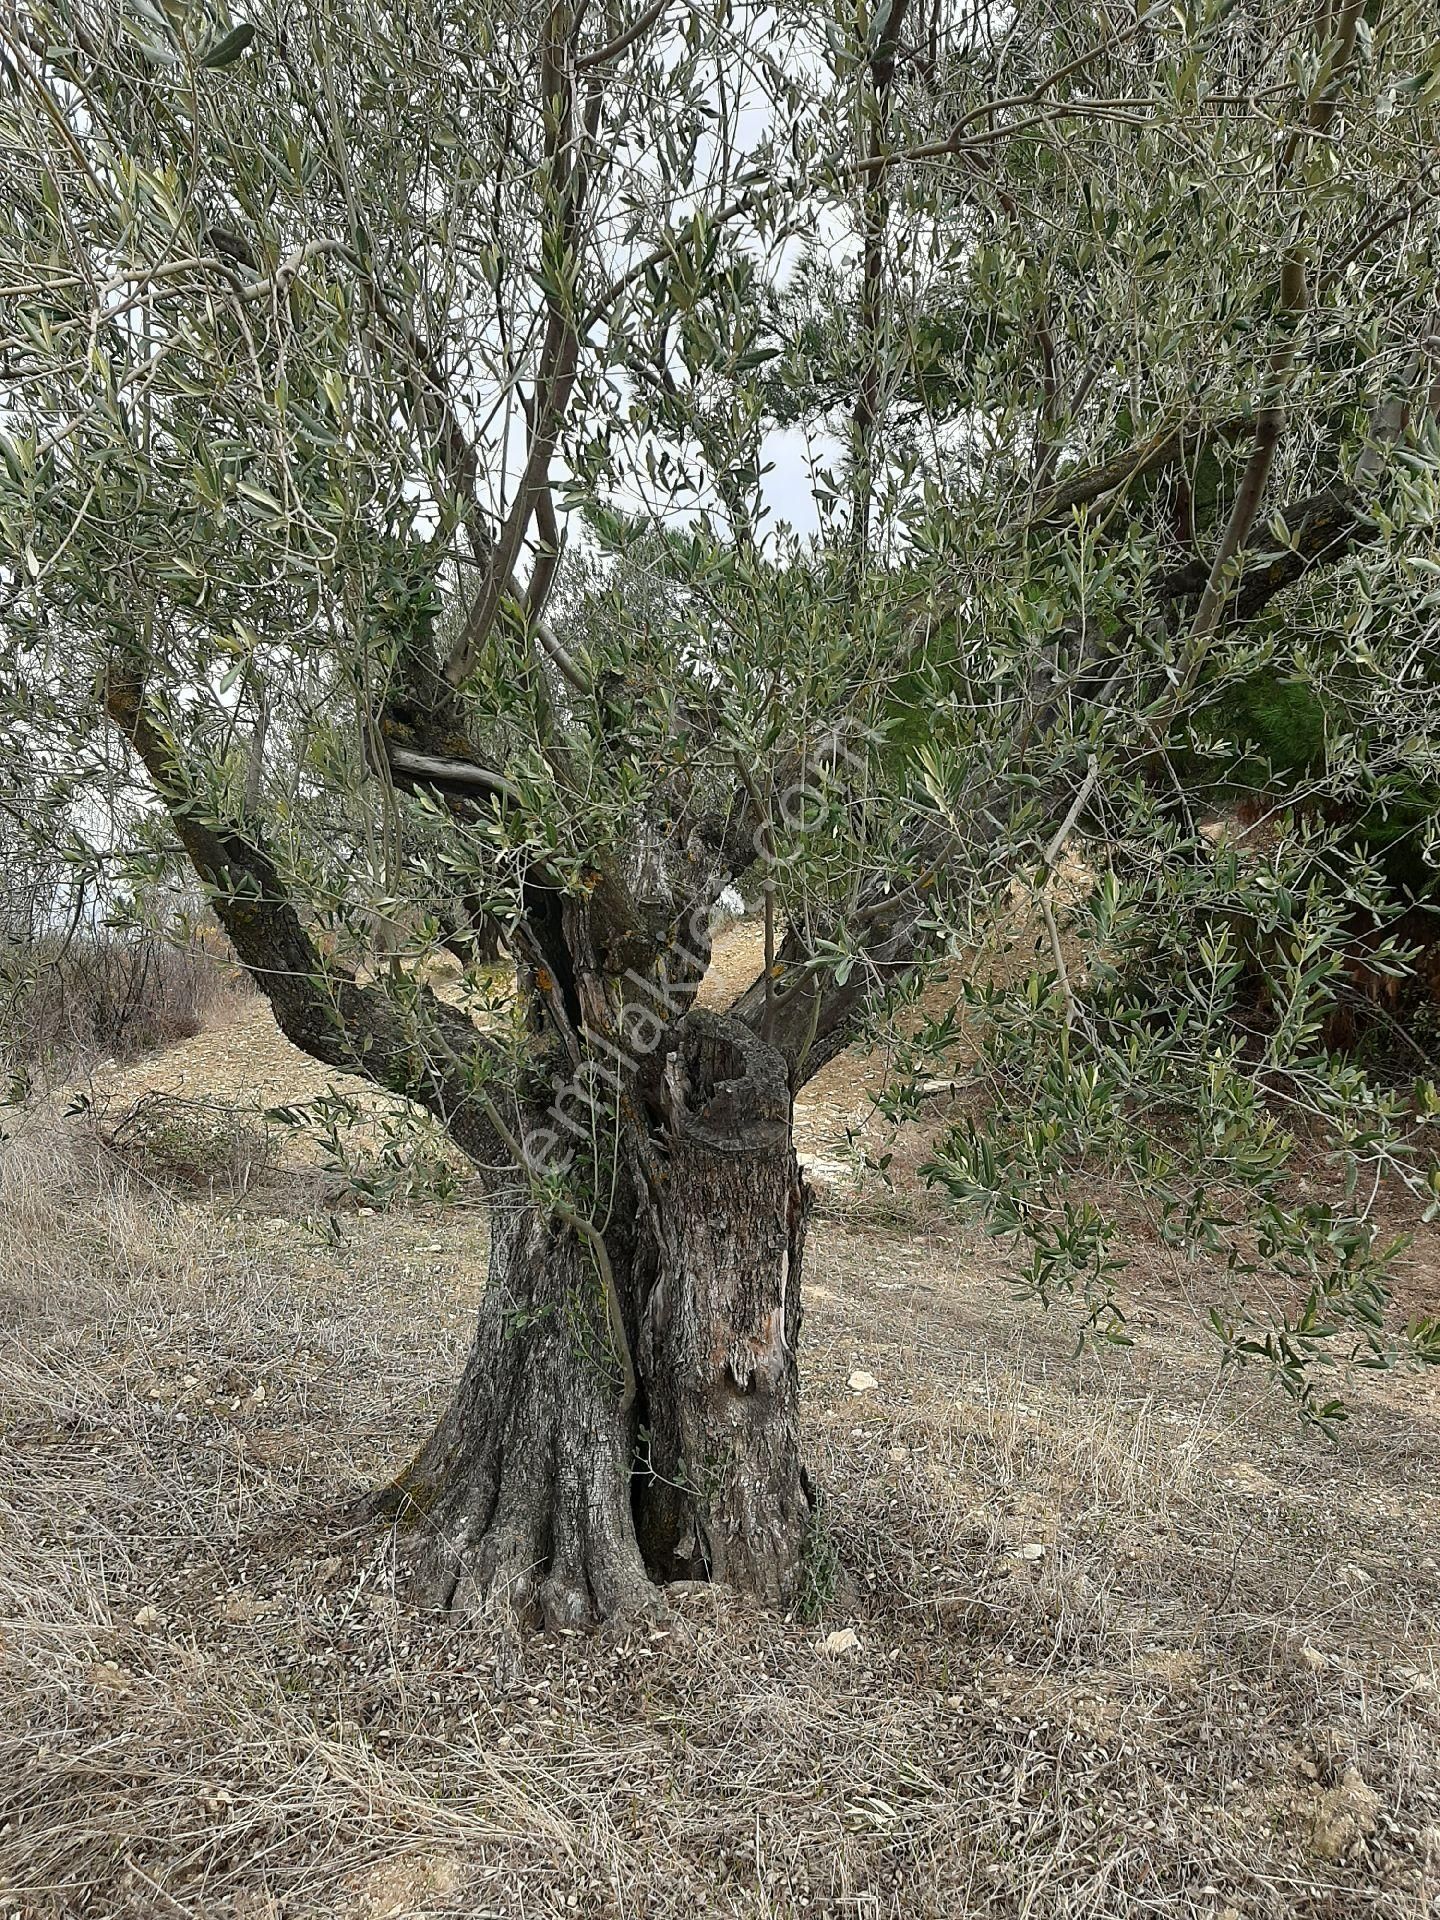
<point x="434" y="770"/>
<point x="320" y="1008"/>
<point x="623" y="41"/>
<point x="1290" y="302"/>
<point x="1144" y="458"/>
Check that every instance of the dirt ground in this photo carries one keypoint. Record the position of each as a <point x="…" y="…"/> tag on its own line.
<point x="1084" y="1636"/>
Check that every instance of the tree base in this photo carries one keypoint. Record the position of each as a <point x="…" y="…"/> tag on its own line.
<point x="519" y="1502"/>
<point x="567" y="1478"/>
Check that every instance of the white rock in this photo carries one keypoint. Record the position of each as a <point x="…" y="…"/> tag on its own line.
<point x="863" y="1382"/>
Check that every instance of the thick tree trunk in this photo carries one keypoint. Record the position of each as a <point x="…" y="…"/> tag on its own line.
<point x="724" y="1495"/>
<point x="553" y="1486"/>
<point x="520" y="1500"/>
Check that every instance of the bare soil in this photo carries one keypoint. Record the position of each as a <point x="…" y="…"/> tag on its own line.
<point x="1085" y="1635"/>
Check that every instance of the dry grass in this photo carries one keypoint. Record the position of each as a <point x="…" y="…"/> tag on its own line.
<point x="1128" y="1643"/>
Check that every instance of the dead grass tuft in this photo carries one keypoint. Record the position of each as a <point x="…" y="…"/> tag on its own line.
<point x="206" y="1143"/>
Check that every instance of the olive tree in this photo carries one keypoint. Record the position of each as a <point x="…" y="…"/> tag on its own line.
<point x="329" y="328"/>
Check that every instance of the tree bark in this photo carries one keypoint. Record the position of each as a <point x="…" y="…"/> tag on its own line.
<point x="520" y="1500"/>
<point x="724" y="1494"/>
<point x="564" y="1476"/>
<point x="548" y="1488"/>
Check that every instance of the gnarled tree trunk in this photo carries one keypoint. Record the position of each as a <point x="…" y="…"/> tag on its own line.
<point x="566" y="1478"/>
<point x="724" y="1494"/>
<point x="520" y="1500"/>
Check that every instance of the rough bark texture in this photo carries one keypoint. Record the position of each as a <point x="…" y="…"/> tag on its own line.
<point x="629" y="1407"/>
<point x="547" y="1490"/>
<point x="724" y="1494"/>
<point x="520" y="1499"/>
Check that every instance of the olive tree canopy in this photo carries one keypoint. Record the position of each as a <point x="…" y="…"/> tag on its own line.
<point x="389" y="397"/>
